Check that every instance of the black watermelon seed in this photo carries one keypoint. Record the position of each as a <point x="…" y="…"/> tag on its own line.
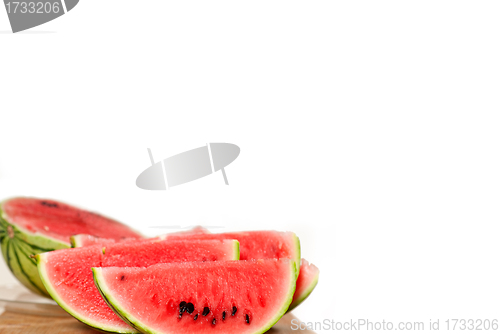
<point x="182" y="307"/>
<point x="123" y="277"/>
<point x="247" y="319"/>
<point x="189" y="308"/>
<point x="196" y="317"/>
<point x="206" y="311"/>
<point x="224" y="315"/>
<point x="214" y="321"/>
<point x="50" y="205"/>
<point x="180" y="315"/>
<point x="234" y="311"/>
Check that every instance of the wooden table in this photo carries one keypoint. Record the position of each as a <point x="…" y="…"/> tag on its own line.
<point x="20" y="323"/>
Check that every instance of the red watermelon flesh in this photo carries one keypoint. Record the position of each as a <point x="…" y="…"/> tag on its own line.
<point x="59" y="221"/>
<point x="251" y="248"/>
<point x="306" y="282"/>
<point x="206" y="297"/>
<point x="257" y="244"/>
<point x="67" y="273"/>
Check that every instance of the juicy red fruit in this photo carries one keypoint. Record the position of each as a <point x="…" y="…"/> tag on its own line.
<point x="59" y="220"/>
<point x="210" y="297"/>
<point x="68" y="277"/>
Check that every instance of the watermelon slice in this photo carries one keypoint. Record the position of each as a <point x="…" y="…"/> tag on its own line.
<point x="29" y="226"/>
<point x="244" y="297"/>
<point x="67" y="276"/>
<point x="256" y="244"/>
<point x="306" y="282"/>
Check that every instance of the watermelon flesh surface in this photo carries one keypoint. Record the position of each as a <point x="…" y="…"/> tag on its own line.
<point x="206" y="297"/>
<point x="306" y="282"/>
<point x="257" y="244"/>
<point x="254" y="245"/>
<point x="59" y="221"/>
<point x="67" y="273"/>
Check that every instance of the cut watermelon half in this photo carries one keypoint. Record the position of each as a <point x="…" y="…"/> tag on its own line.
<point x="29" y="226"/>
<point x="306" y="282"/>
<point x="244" y="297"/>
<point x="67" y="273"/>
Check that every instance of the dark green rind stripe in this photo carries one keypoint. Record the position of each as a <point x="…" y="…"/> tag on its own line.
<point x="14" y="266"/>
<point x="42" y="250"/>
<point x="20" y="247"/>
<point x="3" y="229"/>
<point x="17" y="253"/>
<point x="20" y="264"/>
<point x="8" y="255"/>
<point x="28" y="277"/>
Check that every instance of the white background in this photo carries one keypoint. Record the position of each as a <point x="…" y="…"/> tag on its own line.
<point x="370" y="128"/>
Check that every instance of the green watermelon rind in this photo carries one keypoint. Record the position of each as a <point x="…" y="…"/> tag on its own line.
<point x="42" y="260"/>
<point x="297" y="255"/>
<point x="305" y="294"/>
<point x="19" y="248"/>
<point x="9" y="250"/>
<point x="112" y="307"/>
<point x="74" y="241"/>
<point x="134" y="322"/>
<point x="236" y="248"/>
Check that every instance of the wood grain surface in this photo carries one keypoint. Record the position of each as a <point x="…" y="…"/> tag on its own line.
<point x="19" y="323"/>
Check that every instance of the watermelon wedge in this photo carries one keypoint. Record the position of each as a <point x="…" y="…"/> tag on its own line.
<point x="306" y="282"/>
<point x="67" y="273"/>
<point x="29" y="226"/>
<point x="256" y="244"/>
<point x="244" y="297"/>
